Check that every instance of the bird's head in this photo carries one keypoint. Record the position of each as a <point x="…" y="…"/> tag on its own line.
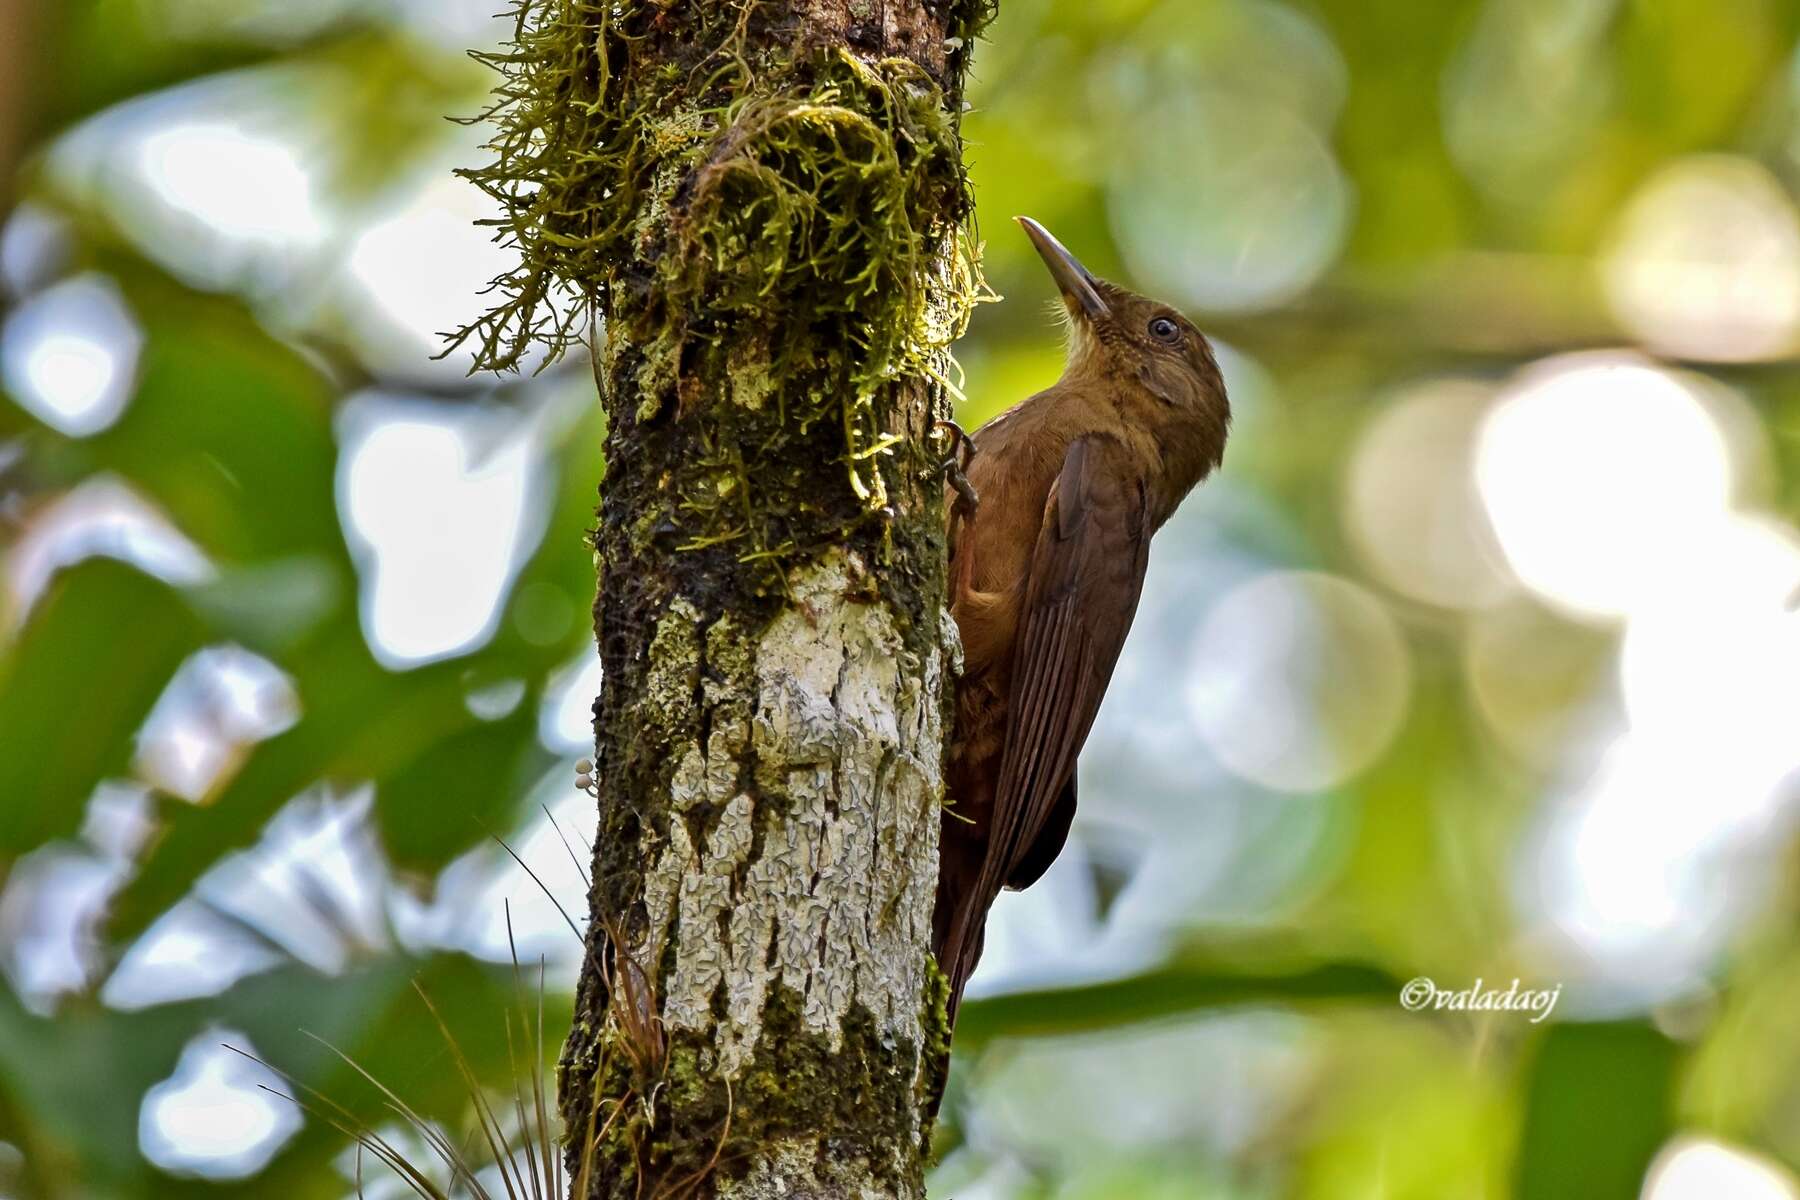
<point x="1118" y="333"/>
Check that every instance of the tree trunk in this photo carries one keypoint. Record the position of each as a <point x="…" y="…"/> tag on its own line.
<point x="763" y="199"/>
<point x="19" y="55"/>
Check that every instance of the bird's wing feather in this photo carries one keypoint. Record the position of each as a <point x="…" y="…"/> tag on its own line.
<point x="1048" y="843"/>
<point x="1087" y="571"/>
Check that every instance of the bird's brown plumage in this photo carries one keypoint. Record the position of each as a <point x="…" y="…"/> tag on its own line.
<point x="1045" y="574"/>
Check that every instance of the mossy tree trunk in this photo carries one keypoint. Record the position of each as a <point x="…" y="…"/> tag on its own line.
<point x="18" y="72"/>
<point x="763" y="200"/>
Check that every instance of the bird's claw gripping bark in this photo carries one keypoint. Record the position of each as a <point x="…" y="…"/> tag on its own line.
<point x="962" y="452"/>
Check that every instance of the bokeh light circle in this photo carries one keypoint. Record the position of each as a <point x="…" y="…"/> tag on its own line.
<point x="1714" y="662"/>
<point x="1591" y="467"/>
<point x="237" y="184"/>
<point x="221" y="1115"/>
<point x="1705" y="263"/>
<point x="421" y="269"/>
<point x="1694" y="1168"/>
<point x="1539" y="683"/>
<point x="1230" y="207"/>
<point x="69" y="354"/>
<point x="1410" y="504"/>
<point x="438" y="509"/>
<point x="1298" y="681"/>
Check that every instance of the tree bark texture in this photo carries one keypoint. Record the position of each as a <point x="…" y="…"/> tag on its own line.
<point x="19" y="56"/>
<point x="771" y="233"/>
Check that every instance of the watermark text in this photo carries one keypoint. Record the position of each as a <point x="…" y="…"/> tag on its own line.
<point x="1425" y="995"/>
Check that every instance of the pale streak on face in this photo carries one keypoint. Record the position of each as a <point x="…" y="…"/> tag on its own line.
<point x="1080" y="345"/>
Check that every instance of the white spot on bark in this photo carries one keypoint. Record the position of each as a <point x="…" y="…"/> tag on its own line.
<point x="837" y="905"/>
<point x="792" y="1170"/>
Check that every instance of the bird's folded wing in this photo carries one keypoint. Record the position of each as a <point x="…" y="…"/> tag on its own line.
<point x="1086" y="575"/>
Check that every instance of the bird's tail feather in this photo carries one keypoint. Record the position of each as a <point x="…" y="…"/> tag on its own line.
<point x="958" y="942"/>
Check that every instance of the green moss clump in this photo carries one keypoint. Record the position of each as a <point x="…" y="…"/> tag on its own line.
<point x="725" y="183"/>
<point x="935" y="1021"/>
<point x="690" y="1124"/>
<point x="566" y="152"/>
<point x="798" y="1086"/>
<point x="830" y="159"/>
<point x="823" y="211"/>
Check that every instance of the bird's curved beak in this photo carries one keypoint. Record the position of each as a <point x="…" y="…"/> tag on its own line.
<point x="1074" y="279"/>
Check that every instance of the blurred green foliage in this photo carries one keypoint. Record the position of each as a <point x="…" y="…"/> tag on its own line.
<point x="1362" y="193"/>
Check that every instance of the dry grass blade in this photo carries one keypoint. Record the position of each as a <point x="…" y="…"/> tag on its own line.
<point x="549" y="1163"/>
<point x="586" y="880"/>
<point x="528" y="1164"/>
<point x="634" y="1004"/>
<point x="489" y="1124"/>
<point x="434" y="1137"/>
<point x="347" y="1123"/>
<point x="542" y="886"/>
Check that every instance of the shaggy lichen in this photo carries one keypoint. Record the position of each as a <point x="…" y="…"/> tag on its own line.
<point x="688" y="190"/>
<point x="583" y="151"/>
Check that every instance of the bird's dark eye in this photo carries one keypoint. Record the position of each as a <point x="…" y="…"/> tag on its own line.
<point x="1165" y="330"/>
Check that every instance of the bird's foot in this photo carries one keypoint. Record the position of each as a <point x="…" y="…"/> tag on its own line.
<point x="962" y="452"/>
<point x="962" y="443"/>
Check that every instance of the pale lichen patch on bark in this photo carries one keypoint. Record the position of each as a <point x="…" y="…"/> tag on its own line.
<point x="793" y="1167"/>
<point x="675" y="663"/>
<point x="702" y="952"/>
<point x="845" y="741"/>
<point x="844" y="716"/>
